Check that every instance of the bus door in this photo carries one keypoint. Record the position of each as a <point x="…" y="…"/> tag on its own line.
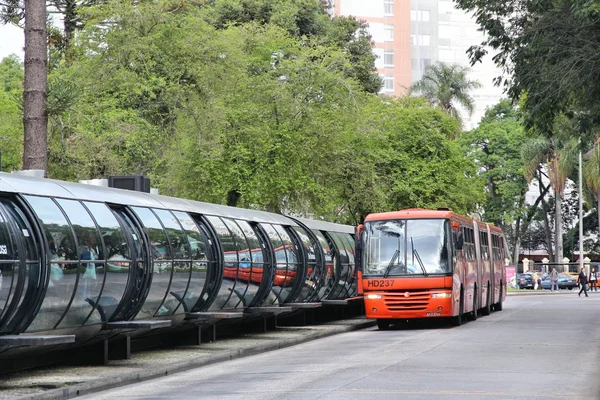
<point x="478" y="263"/>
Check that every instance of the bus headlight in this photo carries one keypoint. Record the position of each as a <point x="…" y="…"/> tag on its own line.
<point x="373" y="297"/>
<point x="441" y="295"/>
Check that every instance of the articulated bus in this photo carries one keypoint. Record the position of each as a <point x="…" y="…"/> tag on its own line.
<point x="419" y="263"/>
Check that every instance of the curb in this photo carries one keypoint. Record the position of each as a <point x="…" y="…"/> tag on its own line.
<point x="152" y="373"/>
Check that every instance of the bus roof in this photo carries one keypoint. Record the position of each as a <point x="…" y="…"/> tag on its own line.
<point x="422" y="213"/>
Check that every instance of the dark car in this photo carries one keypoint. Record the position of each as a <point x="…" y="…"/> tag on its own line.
<point x="525" y="281"/>
<point x="564" y="282"/>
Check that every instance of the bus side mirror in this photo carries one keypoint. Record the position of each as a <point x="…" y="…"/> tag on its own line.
<point x="459" y="241"/>
<point x="358" y="232"/>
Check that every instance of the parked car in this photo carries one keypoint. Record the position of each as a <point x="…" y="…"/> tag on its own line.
<point x="525" y="281"/>
<point x="564" y="282"/>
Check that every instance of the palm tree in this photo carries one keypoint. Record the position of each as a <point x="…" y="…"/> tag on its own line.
<point x="447" y="86"/>
<point x="559" y="156"/>
<point x="591" y="171"/>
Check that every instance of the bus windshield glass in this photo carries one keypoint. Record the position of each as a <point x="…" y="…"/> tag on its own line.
<point x="406" y="247"/>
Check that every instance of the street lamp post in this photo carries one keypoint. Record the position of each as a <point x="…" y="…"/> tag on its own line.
<point x="580" y="208"/>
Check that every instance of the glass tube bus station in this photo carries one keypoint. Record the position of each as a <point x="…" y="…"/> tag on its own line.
<point x="82" y="264"/>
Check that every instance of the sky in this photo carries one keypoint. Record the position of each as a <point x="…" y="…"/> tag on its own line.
<point x="11" y="41"/>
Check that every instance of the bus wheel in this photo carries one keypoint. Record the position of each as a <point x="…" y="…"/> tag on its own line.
<point x="498" y="305"/>
<point x="457" y="321"/>
<point x="475" y="311"/>
<point x="488" y="303"/>
<point x="383" y="324"/>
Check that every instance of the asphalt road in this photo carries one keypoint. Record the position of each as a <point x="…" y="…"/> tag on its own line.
<point x="539" y="347"/>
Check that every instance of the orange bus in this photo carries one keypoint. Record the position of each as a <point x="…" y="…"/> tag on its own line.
<point x="419" y="263"/>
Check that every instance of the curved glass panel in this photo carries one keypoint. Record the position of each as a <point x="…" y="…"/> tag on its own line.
<point x="199" y="253"/>
<point x="329" y="272"/>
<point x="227" y="297"/>
<point x="314" y="271"/>
<point x="32" y="276"/>
<point x="181" y="258"/>
<point x="286" y="262"/>
<point x="345" y="277"/>
<point x="118" y="258"/>
<point x="91" y="269"/>
<point x="9" y="267"/>
<point x="251" y="259"/>
<point x="63" y="260"/>
<point x="162" y="264"/>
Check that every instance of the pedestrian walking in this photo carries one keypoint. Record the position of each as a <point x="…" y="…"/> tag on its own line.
<point x="554" y="280"/>
<point x="583" y="281"/>
<point x="593" y="280"/>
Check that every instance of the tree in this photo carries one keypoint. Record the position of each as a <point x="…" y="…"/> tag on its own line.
<point x="591" y="170"/>
<point x="11" y="117"/>
<point x="559" y="156"/>
<point x="495" y="148"/>
<point x="306" y="19"/>
<point x="447" y="86"/>
<point x="548" y="49"/>
<point x="35" y="119"/>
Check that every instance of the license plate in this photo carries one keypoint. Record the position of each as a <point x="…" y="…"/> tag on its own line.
<point x="433" y="314"/>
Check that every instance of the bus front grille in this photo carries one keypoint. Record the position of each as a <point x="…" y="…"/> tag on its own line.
<point x="407" y="301"/>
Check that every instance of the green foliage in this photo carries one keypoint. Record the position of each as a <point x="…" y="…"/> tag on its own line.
<point x="447" y="86"/>
<point x="305" y="20"/>
<point x="228" y="103"/>
<point x="424" y="167"/>
<point x="548" y="49"/>
<point x="11" y="115"/>
<point x="495" y="147"/>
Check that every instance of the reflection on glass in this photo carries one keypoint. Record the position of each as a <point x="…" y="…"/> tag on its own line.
<point x="118" y="257"/>
<point x="182" y="261"/>
<point x="406" y="247"/>
<point x="32" y="277"/>
<point x="91" y="269"/>
<point x="314" y="271"/>
<point x="9" y="266"/>
<point x="346" y="273"/>
<point x="329" y="271"/>
<point x="162" y="263"/>
<point x="198" y="248"/>
<point x="64" y="263"/>
<point x="229" y="295"/>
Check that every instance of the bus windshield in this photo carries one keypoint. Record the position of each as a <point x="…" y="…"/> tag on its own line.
<point x="406" y="247"/>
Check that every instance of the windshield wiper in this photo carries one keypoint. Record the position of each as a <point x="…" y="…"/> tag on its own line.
<point x="416" y="254"/>
<point x="389" y="267"/>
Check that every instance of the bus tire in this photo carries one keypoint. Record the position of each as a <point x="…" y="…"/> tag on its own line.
<point x="488" y="303"/>
<point x="383" y="324"/>
<point x="498" y="305"/>
<point x="474" y="314"/>
<point x="457" y="321"/>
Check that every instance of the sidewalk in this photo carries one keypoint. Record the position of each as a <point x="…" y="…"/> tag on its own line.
<point x="65" y="382"/>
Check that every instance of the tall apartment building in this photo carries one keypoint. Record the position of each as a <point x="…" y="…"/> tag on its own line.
<point x="409" y="35"/>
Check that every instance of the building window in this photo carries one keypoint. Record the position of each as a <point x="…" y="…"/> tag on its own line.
<point x="388" y="83"/>
<point x="421" y="40"/>
<point x="388" y="7"/>
<point x="388" y="33"/>
<point x="424" y="63"/>
<point x="419" y="15"/>
<point x="388" y="58"/>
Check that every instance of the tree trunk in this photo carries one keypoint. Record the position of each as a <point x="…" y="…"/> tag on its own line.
<point x="35" y="119"/>
<point x="547" y="230"/>
<point x="517" y="243"/>
<point x="558" y="228"/>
